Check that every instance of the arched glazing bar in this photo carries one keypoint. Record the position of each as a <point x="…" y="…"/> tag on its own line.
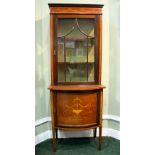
<point x="76" y="24"/>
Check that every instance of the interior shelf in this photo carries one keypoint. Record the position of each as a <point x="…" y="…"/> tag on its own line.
<point x="72" y="63"/>
<point x="76" y="39"/>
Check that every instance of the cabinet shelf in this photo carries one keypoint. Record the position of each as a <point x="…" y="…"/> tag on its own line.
<point x="76" y="39"/>
<point x="72" y="63"/>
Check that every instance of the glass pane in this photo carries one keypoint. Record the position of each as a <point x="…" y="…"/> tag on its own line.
<point x="88" y="26"/>
<point x="61" y="72"/>
<point x="60" y="50"/>
<point x="76" y="50"/>
<point x="64" y="26"/>
<point x="76" y="73"/>
<point x="91" y="72"/>
<point x="91" y="50"/>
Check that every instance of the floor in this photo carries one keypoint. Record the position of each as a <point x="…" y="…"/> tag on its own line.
<point x="79" y="146"/>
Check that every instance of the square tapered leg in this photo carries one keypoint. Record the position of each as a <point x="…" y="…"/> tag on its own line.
<point x="94" y="133"/>
<point x="54" y="140"/>
<point x="100" y="137"/>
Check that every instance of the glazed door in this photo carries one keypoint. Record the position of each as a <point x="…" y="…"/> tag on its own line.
<point x="76" y="51"/>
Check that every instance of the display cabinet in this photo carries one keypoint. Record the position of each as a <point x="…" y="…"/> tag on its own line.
<point x="76" y="58"/>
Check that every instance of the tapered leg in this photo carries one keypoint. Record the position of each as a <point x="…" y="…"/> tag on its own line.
<point x="56" y="133"/>
<point x="52" y="101"/>
<point x="94" y="132"/>
<point x="100" y="137"/>
<point x="54" y="140"/>
<point x="100" y="127"/>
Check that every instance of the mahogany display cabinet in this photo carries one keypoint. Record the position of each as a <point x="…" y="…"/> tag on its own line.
<point x="76" y="59"/>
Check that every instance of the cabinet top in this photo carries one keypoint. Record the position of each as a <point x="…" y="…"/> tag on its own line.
<point x="75" y="5"/>
<point x="61" y="8"/>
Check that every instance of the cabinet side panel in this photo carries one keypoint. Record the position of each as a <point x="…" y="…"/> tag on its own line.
<point x="97" y="50"/>
<point x="52" y="48"/>
<point x="100" y="47"/>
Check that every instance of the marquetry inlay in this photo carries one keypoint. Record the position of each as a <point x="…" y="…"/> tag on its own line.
<point x="77" y="106"/>
<point x="77" y="102"/>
